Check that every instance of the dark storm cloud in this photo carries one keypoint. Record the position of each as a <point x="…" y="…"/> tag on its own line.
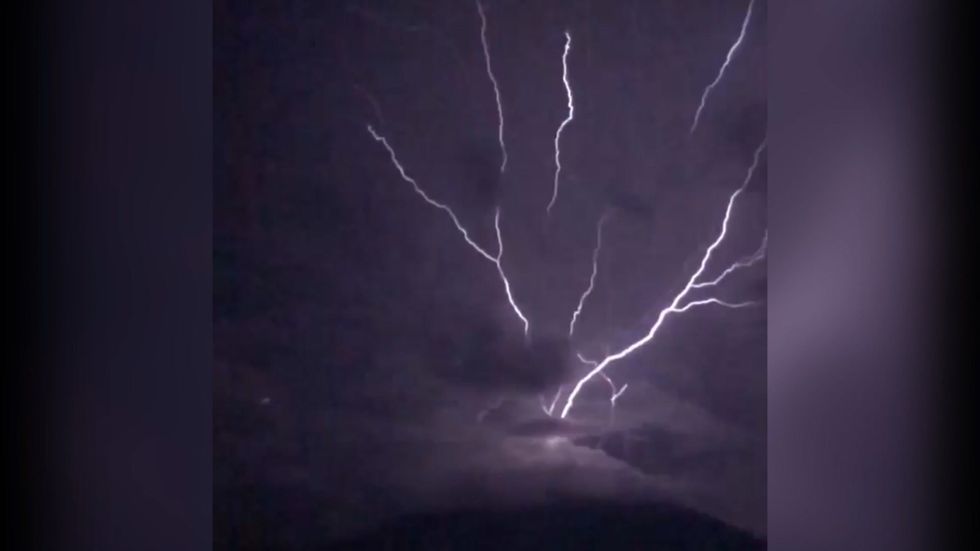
<point x="379" y="337"/>
<point x="487" y="357"/>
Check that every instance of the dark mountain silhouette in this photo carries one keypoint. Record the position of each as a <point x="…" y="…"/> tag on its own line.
<point x="583" y="525"/>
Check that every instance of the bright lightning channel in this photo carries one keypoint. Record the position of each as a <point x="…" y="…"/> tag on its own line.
<point x="503" y="276"/>
<point x="568" y="119"/>
<point x="497" y="260"/>
<point x="721" y="72"/>
<point x="757" y="256"/>
<point x="675" y="305"/>
<point x="595" y="269"/>
<point x="496" y="86"/>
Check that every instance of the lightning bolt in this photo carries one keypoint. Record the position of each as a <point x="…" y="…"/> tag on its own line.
<point x="503" y="276"/>
<point x="496" y="87"/>
<point x="675" y="305"/>
<point x="758" y="255"/>
<point x="568" y="119"/>
<point x="443" y="207"/>
<point x="615" y="393"/>
<point x="721" y="72"/>
<point x="595" y="269"/>
<point x="497" y="260"/>
<point x="550" y="408"/>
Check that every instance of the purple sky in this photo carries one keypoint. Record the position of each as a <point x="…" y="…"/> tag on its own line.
<point x="357" y="337"/>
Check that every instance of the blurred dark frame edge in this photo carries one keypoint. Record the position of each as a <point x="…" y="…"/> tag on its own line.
<point x="109" y="400"/>
<point x="44" y="203"/>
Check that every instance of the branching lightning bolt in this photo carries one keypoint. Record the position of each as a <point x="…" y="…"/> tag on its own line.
<point x="744" y="263"/>
<point x="595" y="269"/>
<point x="568" y="119"/>
<point x="717" y="301"/>
<point x="503" y="276"/>
<point x="721" y="71"/>
<point x="680" y="303"/>
<point x="496" y="87"/>
<point x="615" y="393"/>
<point x="445" y="208"/>
<point x="675" y="305"/>
<point x="497" y="260"/>
<point x="549" y="409"/>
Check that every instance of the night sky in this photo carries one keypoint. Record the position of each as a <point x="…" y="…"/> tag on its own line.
<point x="368" y="366"/>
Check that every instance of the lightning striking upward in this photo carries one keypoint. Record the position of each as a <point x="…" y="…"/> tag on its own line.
<point x="496" y="87"/>
<point x="675" y="305"/>
<point x="568" y="119"/>
<point x="680" y="303"/>
<point x="721" y="72"/>
<point x="548" y="409"/>
<point x="758" y="255"/>
<point x="497" y="260"/>
<point x="615" y="392"/>
<point x="375" y="106"/>
<point x="445" y="208"/>
<point x="595" y="269"/>
<point x="503" y="276"/>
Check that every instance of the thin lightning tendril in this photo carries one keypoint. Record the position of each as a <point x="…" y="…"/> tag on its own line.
<point x="496" y="86"/>
<point x="675" y="305"/>
<point x="712" y="300"/>
<point x="568" y="119"/>
<point x="445" y="208"/>
<point x="503" y="276"/>
<point x="615" y="393"/>
<point x="595" y="269"/>
<point x="497" y="260"/>
<point x="549" y="409"/>
<point x="721" y="71"/>
<point x="744" y="263"/>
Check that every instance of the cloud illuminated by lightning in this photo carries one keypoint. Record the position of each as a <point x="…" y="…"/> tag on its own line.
<point x="595" y="269"/>
<point x="568" y="119"/>
<point x="496" y="87"/>
<point x="728" y="59"/>
<point x="497" y="260"/>
<point x="675" y="305"/>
